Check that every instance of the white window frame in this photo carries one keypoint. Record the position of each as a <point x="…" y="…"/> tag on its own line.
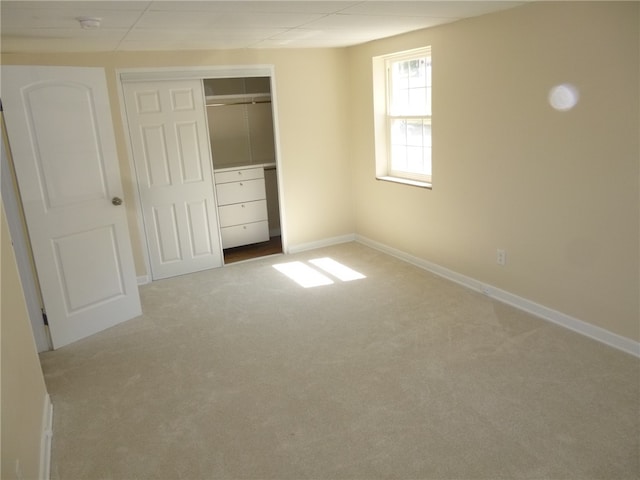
<point x="383" y="119"/>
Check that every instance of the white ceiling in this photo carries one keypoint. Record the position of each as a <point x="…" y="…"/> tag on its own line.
<point x="51" y="26"/>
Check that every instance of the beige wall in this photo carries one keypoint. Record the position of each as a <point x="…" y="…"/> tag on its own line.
<point x="311" y="100"/>
<point x="557" y="190"/>
<point x="23" y="389"/>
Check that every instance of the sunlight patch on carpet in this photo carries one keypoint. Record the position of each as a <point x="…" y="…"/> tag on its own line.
<point x="307" y="277"/>
<point x="303" y="274"/>
<point x="337" y="269"/>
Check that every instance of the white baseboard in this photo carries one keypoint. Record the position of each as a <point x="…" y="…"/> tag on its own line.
<point x="45" y="439"/>
<point x="596" y="333"/>
<point x="143" y="279"/>
<point x="326" y="242"/>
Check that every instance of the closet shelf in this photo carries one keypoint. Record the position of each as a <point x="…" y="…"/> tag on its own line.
<point x="237" y="99"/>
<point x="238" y="166"/>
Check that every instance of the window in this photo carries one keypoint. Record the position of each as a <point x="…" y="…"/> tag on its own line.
<point x="402" y="105"/>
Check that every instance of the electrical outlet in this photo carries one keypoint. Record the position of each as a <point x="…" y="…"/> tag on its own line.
<point x="501" y="257"/>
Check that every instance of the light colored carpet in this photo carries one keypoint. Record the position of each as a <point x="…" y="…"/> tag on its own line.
<point x="239" y="373"/>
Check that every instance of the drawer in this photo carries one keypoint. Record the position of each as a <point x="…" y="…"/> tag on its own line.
<point x="239" y="192"/>
<point x="238" y="175"/>
<point x="239" y="213"/>
<point x="244" y="234"/>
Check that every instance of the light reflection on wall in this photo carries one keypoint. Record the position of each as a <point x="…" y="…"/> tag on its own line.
<point x="564" y="97"/>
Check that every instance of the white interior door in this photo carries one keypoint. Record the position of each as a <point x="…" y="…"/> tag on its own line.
<point x="171" y="150"/>
<point x="61" y="135"/>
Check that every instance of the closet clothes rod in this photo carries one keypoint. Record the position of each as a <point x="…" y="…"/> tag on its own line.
<point x="237" y="103"/>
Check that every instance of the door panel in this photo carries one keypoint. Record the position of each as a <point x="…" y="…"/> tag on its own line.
<point x="169" y="139"/>
<point x="75" y="264"/>
<point x="166" y="228"/>
<point x="61" y="135"/>
<point x="189" y="154"/>
<point x="60" y="145"/>
<point x="198" y="222"/>
<point x="153" y="144"/>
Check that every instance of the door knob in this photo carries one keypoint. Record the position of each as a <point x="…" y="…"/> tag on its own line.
<point x="116" y="201"/>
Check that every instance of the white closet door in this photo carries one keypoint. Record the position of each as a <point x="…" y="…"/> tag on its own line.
<point x="170" y="143"/>
<point x="61" y="136"/>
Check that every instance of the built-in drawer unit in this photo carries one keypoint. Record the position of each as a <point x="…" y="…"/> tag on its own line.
<point x="240" y="213"/>
<point x="242" y="206"/>
<point x="245" y="234"/>
<point x="238" y="192"/>
<point x="228" y="176"/>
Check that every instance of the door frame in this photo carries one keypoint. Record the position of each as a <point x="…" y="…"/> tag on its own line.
<point x="183" y="73"/>
<point x="24" y="257"/>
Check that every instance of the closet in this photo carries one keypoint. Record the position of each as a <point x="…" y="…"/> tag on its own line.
<point x="240" y="120"/>
<point x="206" y="167"/>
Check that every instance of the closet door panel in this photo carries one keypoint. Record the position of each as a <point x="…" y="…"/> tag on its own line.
<point x="190" y="154"/>
<point x="169" y="138"/>
<point x="154" y="153"/>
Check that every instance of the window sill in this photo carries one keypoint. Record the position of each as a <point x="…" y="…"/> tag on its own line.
<point x="405" y="181"/>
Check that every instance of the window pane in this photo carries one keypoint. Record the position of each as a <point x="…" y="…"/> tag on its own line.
<point x="415" y="133"/>
<point x="399" y="157"/>
<point x="426" y="148"/>
<point x="410" y="87"/>
<point x="400" y="71"/>
<point x="411" y="146"/>
<point x="418" y="74"/>
<point x="400" y="101"/>
<point x="415" y="159"/>
<point x="426" y="132"/>
<point x="398" y="132"/>
<point x="417" y="104"/>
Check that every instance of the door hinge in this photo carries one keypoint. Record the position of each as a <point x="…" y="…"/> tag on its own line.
<point x="44" y="318"/>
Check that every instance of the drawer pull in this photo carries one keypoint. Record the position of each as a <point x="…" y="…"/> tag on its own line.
<point x="244" y="227"/>
<point x="243" y="205"/>
<point x="241" y="184"/>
